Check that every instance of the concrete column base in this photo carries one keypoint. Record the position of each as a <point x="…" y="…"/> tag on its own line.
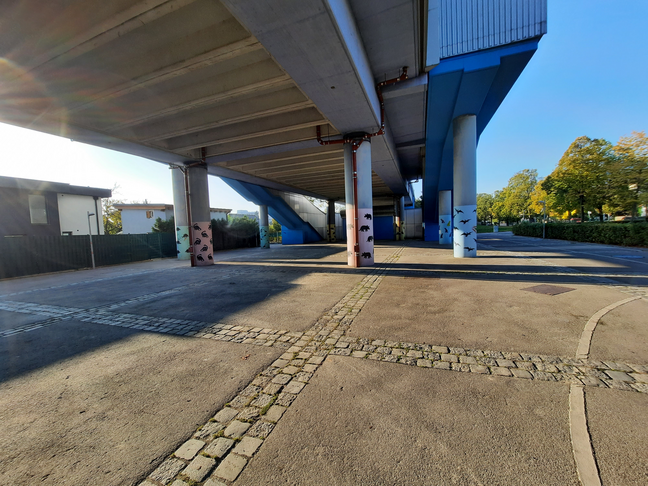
<point x="331" y="233"/>
<point x="465" y="231"/>
<point x="203" y="245"/>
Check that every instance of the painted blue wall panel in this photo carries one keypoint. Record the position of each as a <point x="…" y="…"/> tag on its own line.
<point x="383" y="227"/>
<point x="291" y="237"/>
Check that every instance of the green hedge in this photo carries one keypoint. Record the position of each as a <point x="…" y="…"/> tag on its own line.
<point x="626" y="234"/>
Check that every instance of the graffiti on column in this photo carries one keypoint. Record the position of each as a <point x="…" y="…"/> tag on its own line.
<point x="183" y="246"/>
<point x="465" y="231"/>
<point x="331" y="233"/>
<point x="203" y="244"/>
<point x="445" y="229"/>
<point x="366" y="245"/>
<point x="263" y="233"/>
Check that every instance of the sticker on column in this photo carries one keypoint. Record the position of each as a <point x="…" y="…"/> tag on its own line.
<point x="203" y="245"/>
<point x="183" y="245"/>
<point x="366" y="237"/>
<point x="264" y="232"/>
<point x="465" y="231"/>
<point x="445" y="229"/>
<point x="331" y="233"/>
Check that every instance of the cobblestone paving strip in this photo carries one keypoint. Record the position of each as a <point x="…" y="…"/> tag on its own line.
<point x="584" y="372"/>
<point x="221" y="448"/>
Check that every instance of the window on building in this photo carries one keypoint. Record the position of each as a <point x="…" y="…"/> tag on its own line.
<point x="37" y="209"/>
<point x="149" y="214"/>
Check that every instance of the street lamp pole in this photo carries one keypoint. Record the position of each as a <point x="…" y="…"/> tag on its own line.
<point x="90" y="234"/>
<point x="544" y="217"/>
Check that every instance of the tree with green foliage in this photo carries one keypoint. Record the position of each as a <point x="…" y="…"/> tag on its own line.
<point x="243" y="225"/>
<point x="161" y="226"/>
<point x="275" y="226"/>
<point x="111" y="216"/>
<point x="419" y="202"/>
<point x="485" y="207"/>
<point x="514" y="201"/>
<point x="630" y="173"/>
<point x="582" y="178"/>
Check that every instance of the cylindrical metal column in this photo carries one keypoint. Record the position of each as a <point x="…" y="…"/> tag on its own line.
<point x="464" y="129"/>
<point x="445" y="217"/>
<point x="200" y="217"/>
<point x="264" y="227"/>
<point x="180" y="215"/>
<point x="330" y="218"/>
<point x="358" y="190"/>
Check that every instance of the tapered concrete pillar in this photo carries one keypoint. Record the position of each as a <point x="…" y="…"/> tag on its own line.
<point x="264" y="227"/>
<point x="360" y="235"/>
<point x="330" y="221"/>
<point x="183" y="241"/>
<point x="201" y="231"/>
<point x="464" y="129"/>
<point x="445" y="217"/>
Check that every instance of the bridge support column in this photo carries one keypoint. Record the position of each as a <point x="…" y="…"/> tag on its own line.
<point x="359" y="203"/>
<point x="399" y="233"/>
<point x="330" y="221"/>
<point x="264" y="227"/>
<point x="201" y="232"/>
<point x="464" y="129"/>
<point x="445" y="217"/>
<point x="183" y="241"/>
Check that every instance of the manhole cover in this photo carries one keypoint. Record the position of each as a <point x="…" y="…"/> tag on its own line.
<point x="548" y="289"/>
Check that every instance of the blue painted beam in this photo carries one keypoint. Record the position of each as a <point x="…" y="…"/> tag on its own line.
<point x="296" y="230"/>
<point x="474" y="83"/>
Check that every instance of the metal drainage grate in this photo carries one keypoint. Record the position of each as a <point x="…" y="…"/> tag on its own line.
<point x="549" y="289"/>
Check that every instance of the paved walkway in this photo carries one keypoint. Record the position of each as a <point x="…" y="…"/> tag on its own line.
<point x="528" y="365"/>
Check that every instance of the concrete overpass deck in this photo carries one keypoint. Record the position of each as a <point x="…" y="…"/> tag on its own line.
<point x="423" y="369"/>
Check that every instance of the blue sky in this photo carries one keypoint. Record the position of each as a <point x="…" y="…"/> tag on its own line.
<point x="588" y="77"/>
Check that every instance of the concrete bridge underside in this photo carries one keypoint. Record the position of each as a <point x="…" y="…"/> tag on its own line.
<point x="244" y="87"/>
<point x="240" y="84"/>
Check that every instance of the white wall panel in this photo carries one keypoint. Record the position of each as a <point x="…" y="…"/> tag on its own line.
<point x="73" y="214"/>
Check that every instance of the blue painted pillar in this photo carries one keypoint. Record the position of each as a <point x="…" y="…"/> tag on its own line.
<point x="264" y="226"/>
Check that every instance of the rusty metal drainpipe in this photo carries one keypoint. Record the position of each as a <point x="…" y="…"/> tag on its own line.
<point x="188" y="203"/>
<point x="355" y="143"/>
<point x="356" y="244"/>
<point x="184" y="170"/>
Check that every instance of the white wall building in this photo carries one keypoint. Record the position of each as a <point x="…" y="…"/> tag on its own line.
<point x="140" y="218"/>
<point x="73" y="214"/>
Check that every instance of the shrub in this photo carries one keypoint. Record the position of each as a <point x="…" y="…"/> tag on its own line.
<point x="626" y="234"/>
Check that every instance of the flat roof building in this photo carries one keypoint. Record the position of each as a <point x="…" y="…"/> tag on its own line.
<point x="41" y="208"/>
